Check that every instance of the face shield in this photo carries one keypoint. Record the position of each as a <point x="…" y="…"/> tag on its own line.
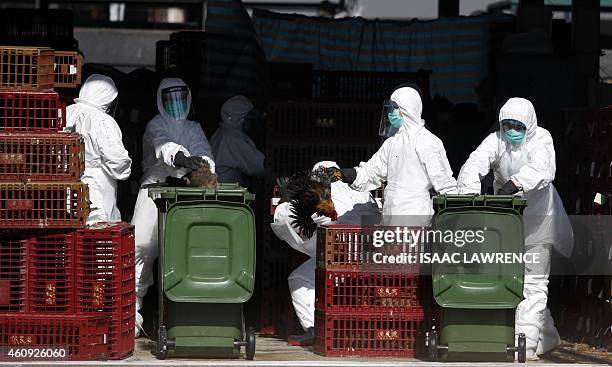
<point x="390" y="120"/>
<point x="174" y="101"/>
<point x="112" y="108"/>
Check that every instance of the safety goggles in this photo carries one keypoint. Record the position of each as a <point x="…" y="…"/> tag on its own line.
<point x="386" y="128"/>
<point x="509" y="124"/>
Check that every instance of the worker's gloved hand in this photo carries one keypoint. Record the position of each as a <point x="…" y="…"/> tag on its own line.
<point x="348" y="175"/>
<point x="509" y="188"/>
<point x="180" y="160"/>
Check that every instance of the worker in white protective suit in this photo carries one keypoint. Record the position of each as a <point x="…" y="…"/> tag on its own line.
<point x="236" y="157"/>
<point x="522" y="157"/>
<point x="352" y="206"/>
<point x="412" y="161"/>
<point x="172" y="146"/>
<point x="106" y="159"/>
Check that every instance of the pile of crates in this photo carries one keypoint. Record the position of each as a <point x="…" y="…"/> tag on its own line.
<point x="365" y="308"/>
<point x="66" y="291"/>
<point x="585" y="184"/>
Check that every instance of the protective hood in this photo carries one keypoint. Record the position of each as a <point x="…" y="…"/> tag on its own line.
<point x="234" y="111"/>
<point x="522" y="110"/>
<point x="411" y="107"/>
<point x="98" y="91"/>
<point x="325" y="164"/>
<point x="169" y="83"/>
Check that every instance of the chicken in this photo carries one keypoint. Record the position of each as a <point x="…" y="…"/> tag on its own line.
<point x="310" y="193"/>
<point x="201" y="177"/>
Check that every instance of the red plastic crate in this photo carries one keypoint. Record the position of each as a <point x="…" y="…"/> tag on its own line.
<point x="26" y="67"/>
<point x="368" y="335"/>
<point x="350" y="247"/>
<point x="41" y="157"/>
<point x="37" y="273"/>
<point x="31" y="111"/>
<point x="68" y="66"/>
<point x="13" y="274"/>
<point x="105" y="277"/>
<point x="373" y="292"/>
<point x="43" y="205"/>
<point x="81" y="337"/>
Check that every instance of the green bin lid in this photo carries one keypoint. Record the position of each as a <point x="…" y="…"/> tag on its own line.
<point x="209" y="252"/>
<point x="468" y="284"/>
<point x="224" y="191"/>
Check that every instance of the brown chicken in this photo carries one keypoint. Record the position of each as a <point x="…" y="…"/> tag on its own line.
<point x="201" y="177"/>
<point x="310" y="193"/>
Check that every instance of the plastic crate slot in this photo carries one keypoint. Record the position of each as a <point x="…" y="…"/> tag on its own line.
<point x="13" y="274"/>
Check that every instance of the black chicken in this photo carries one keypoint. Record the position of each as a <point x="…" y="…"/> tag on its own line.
<point x="310" y="193"/>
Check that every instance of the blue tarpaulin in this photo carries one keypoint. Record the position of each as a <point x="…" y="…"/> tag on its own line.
<point x="456" y="50"/>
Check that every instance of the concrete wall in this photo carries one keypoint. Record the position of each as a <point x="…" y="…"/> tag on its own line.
<point x="398" y="9"/>
<point x="125" y="49"/>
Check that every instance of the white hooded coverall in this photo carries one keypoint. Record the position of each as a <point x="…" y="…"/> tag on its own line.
<point x="351" y="206"/>
<point x="531" y="166"/>
<point x="236" y="156"/>
<point x="412" y="162"/>
<point x="163" y="138"/>
<point x="106" y="159"/>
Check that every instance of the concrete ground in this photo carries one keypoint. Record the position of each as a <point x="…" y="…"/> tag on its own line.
<point x="276" y="353"/>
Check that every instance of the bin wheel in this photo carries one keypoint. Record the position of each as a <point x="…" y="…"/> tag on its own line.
<point x="250" y="343"/>
<point x="162" y="343"/>
<point x="432" y="344"/>
<point x="522" y="348"/>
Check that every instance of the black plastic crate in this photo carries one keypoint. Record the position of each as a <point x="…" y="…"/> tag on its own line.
<point x="38" y="27"/>
<point x="323" y="120"/>
<point x="165" y="56"/>
<point x="291" y="156"/>
<point x="364" y="86"/>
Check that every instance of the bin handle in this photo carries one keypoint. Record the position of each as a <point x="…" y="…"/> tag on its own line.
<point x="485" y="199"/>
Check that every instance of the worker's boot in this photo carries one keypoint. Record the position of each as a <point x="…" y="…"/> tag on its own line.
<point x="138" y="331"/>
<point x="302" y="340"/>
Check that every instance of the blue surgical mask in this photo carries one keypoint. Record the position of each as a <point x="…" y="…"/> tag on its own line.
<point x="515" y="137"/>
<point x="395" y="119"/>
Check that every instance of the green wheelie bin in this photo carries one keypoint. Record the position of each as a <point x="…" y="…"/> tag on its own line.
<point x="477" y="293"/>
<point x="206" y="271"/>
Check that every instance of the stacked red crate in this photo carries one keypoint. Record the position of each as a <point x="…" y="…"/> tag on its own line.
<point x="43" y="211"/>
<point x="52" y="337"/>
<point x="363" y="307"/>
<point x="105" y="281"/>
